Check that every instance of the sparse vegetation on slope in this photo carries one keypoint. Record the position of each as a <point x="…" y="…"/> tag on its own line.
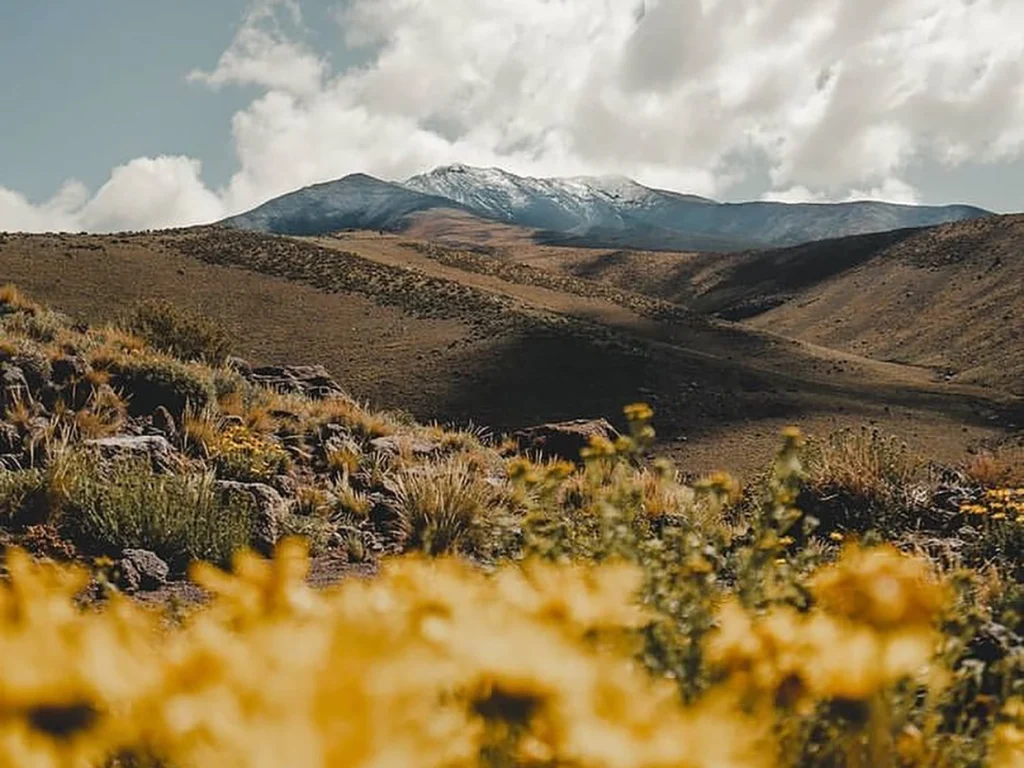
<point x="852" y="605"/>
<point x="503" y="356"/>
<point x="958" y="281"/>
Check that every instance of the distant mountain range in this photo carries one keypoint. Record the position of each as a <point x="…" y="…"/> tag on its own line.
<point x="608" y="211"/>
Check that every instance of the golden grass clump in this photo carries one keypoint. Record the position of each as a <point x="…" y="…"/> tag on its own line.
<point x="997" y="469"/>
<point x="12" y="300"/>
<point x="863" y="463"/>
<point x="445" y="508"/>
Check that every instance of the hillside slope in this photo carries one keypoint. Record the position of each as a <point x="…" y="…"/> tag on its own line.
<point x="947" y="298"/>
<point x="445" y="336"/>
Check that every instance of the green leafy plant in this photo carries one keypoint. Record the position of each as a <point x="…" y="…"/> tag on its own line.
<point x="148" y="381"/>
<point x="123" y="504"/>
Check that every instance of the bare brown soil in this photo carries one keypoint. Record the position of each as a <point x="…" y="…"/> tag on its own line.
<point x="449" y="336"/>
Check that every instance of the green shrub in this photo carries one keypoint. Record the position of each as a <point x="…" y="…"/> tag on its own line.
<point x="18" y="491"/>
<point x="43" y="325"/>
<point x="228" y="384"/>
<point x="123" y="504"/>
<point x="180" y="332"/>
<point x="149" y="381"/>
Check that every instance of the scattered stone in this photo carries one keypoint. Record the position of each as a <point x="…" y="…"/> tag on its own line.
<point x="144" y="568"/>
<point x="298" y="452"/>
<point x="35" y="367"/>
<point x="968" y="533"/>
<point x="163" y="421"/>
<point x="394" y="444"/>
<point x="269" y="509"/>
<point x="285" y="484"/>
<point x="564" y="439"/>
<point x="329" y="431"/>
<point x="156" y="448"/>
<point x="238" y="365"/>
<point x="333" y="445"/>
<point x="127" y="578"/>
<point x="13" y="386"/>
<point x="995" y="642"/>
<point x="313" y="381"/>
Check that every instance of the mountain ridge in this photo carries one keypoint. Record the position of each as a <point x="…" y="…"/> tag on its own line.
<point x="584" y="211"/>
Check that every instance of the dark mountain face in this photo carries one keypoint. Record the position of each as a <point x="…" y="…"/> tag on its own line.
<point x="584" y="211"/>
<point x="354" y="202"/>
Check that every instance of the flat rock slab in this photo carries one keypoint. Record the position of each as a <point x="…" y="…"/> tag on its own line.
<point x="157" y="449"/>
<point x="310" y="380"/>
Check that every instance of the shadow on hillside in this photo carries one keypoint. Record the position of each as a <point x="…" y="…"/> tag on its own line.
<point x="550" y="376"/>
<point x="539" y="377"/>
<point x="758" y="281"/>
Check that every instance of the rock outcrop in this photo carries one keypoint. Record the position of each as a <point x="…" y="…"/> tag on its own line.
<point x="564" y="439"/>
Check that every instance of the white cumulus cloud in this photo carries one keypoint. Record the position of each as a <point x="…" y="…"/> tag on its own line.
<point x="146" y="193"/>
<point x="834" y="99"/>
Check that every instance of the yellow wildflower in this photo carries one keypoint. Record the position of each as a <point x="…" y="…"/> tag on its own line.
<point x="641" y="412"/>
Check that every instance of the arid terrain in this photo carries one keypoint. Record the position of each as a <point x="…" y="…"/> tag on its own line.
<point x="145" y="446"/>
<point x="522" y="334"/>
<point x="946" y="298"/>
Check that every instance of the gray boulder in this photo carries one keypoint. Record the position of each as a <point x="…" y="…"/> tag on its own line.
<point x="564" y="440"/>
<point x="313" y="381"/>
<point x="268" y="511"/>
<point x="156" y="448"/>
<point x="393" y="445"/>
<point x="13" y="386"/>
<point x="163" y="422"/>
<point x="142" y="569"/>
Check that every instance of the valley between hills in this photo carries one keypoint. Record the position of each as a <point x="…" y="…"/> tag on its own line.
<point x="464" y="320"/>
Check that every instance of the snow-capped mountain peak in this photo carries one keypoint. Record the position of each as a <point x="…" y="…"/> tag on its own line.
<point x="545" y="202"/>
<point x="612" y="211"/>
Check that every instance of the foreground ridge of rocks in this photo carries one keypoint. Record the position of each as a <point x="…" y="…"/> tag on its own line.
<point x="312" y="381"/>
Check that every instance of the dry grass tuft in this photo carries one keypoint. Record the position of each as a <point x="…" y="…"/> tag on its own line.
<point x="858" y="479"/>
<point x="446" y="508"/>
<point x="1001" y="468"/>
<point x="312" y="501"/>
<point x="13" y="300"/>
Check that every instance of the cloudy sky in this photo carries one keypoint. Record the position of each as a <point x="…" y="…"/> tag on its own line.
<point x="126" y="114"/>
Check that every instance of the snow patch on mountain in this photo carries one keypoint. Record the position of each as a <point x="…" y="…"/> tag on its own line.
<point x="574" y="203"/>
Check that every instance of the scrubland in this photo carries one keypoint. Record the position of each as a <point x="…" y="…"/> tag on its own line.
<point x="853" y="604"/>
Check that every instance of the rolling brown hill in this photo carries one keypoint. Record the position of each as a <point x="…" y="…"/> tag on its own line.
<point x="946" y="298"/>
<point x="455" y="335"/>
